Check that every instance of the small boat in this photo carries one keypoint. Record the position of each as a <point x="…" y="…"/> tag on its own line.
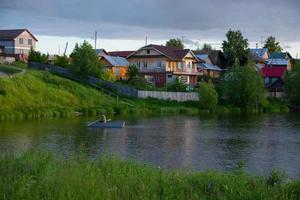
<point x="107" y="124"/>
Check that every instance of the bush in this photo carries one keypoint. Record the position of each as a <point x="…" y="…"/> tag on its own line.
<point x="62" y="61"/>
<point x="177" y="86"/>
<point x="36" y="56"/>
<point x="208" y="96"/>
<point x="292" y="85"/>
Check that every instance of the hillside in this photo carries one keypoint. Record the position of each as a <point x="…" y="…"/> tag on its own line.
<point x="40" y="94"/>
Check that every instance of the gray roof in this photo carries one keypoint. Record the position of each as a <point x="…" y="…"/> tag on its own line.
<point x="259" y="52"/>
<point x="209" y="66"/>
<point x="13" y="33"/>
<point x="116" y="61"/>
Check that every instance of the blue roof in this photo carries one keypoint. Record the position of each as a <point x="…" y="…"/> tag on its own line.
<point x="259" y="52"/>
<point x="209" y="66"/>
<point x="277" y="61"/>
<point x="278" y="55"/>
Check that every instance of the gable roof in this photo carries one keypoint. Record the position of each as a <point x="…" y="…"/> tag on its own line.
<point x="280" y="55"/>
<point x="123" y="54"/>
<point x="273" y="71"/>
<point x="172" y="53"/>
<point x="209" y="67"/>
<point x="101" y="52"/>
<point x="116" y="61"/>
<point x="259" y="52"/>
<point x="13" y="33"/>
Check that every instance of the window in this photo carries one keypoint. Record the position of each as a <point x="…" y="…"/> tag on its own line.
<point x="170" y="76"/>
<point x="21" y="41"/>
<point x="29" y="41"/>
<point x="145" y="64"/>
<point x="138" y="64"/>
<point x="148" y="51"/>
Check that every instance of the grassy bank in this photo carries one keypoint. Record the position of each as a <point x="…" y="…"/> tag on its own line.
<point x="40" y="176"/>
<point x="39" y="94"/>
<point x="9" y="70"/>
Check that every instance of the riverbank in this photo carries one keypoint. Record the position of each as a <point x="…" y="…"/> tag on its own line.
<point x="40" y="94"/>
<point x="41" y="176"/>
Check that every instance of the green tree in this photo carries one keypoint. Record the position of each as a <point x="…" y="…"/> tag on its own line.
<point x="62" y="61"/>
<point x="207" y="47"/>
<point x="272" y="45"/>
<point x="236" y="46"/>
<point x="132" y="72"/>
<point x="85" y="60"/>
<point x="208" y="96"/>
<point x="175" y="42"/>
<point x="292" y="85"/>
<point x="135" y="79"/>
<point x="36" y="56"/>
<point x="177" y="86"/>
<point x="243" y="87"/>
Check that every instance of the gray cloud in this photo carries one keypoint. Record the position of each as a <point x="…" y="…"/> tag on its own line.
<point x="159" y="19"/>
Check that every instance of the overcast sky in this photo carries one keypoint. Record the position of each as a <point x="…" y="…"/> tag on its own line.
<point x="124" y="24"/>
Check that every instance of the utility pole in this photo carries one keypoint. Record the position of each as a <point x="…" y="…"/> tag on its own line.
<point x="96" y="34"/>
<point x="146" y="41"/>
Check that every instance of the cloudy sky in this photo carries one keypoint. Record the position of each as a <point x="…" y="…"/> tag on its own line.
<point x="124" y="24"/>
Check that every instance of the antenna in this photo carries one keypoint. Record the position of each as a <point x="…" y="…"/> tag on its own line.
<point x="96" y="34"/>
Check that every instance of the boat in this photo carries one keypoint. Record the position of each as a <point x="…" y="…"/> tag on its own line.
<point x="107" y="124"/>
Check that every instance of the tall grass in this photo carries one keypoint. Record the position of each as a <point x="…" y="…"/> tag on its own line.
<point x="40" y="94"/>
<point x="41" y="176"/>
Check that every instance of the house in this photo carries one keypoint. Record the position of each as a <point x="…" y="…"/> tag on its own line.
<point x="16" y="42"/>
<point x="273" y="78"/>
<point x="207" y="68"/>
<point x="216" y="57"/>
<point x="117" y="65"/>
<point x="280" y="59"/>
<point x="260" y="57"/>
<point x="161" y="65"/>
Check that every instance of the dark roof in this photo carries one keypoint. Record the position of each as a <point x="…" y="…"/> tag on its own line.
<point x="259" y="52"/>
<point x="13" y="33"/>
<point x="171" y="52"/>
<point x="280" y="55"/>
<point x="216" y="56"/>
<point x="123" y="54"/>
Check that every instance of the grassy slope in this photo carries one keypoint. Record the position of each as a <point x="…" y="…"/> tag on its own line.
<point x="40" y="176"/>
<point x="41" y="94"/>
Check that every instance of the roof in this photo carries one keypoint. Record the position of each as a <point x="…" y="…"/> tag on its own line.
<point x="216" y="56"/>
<point x="202" y="56"/>
<point x="209" y="67"/>
<point x="116" y="61"/>
<point x="280" y="55"/>
<point x="278" y="61"/>
<point x="260" y="52"/>
<point x="13" y="33"/>
<point x="273" y="71"/>
<point x="123" y="54"/>
<point x="101" y="52"/>
<point x="172" y="53"/>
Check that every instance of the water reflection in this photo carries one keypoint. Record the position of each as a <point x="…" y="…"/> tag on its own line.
<point x="262" y="142"/>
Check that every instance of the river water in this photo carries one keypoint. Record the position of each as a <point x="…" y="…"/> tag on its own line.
<point x="261" y="142"/>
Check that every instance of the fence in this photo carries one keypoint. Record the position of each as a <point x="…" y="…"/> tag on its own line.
<point x="117" y="88"/>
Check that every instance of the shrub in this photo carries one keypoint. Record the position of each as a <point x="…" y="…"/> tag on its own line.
<point x="36" y="56"/>
<point x="208" y="96"/>
<point x="177" y="86"/>
<point x="62" y="61"/>
<point x="292" y="85"/>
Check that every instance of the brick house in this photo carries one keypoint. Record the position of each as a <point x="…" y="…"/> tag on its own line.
<point x="160" y="65"/>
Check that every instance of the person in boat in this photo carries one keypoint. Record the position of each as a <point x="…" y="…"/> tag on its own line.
<point x="103" y="119"/>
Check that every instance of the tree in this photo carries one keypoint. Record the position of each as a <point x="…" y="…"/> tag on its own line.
<point x="207" y="47"/>
<point x="62" y="61"/>
<point x="175" y="42"/>
<point x="236" y="47"/>
<point x="132" y="72"/>
<point x="272" y="45"/>
<point x="243" y="87"/>
<point x="292" y="85"/>
<point x="135" y="79"/>
<point x="36" y="56"/>
<point x="208" y="96"/>
<point x="177" y="86"/>
<point x="85" y="60"/>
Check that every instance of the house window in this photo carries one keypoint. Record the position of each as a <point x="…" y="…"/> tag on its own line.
<point x="170" y="76"/>
<point x="148" y="51"/>
<point x="29" y="41"/>
<point x="21" y="41"/>
<point x="138" y="64"/>
<point x="145" y="64"/>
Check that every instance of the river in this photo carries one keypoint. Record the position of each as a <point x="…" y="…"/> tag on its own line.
<point x="261" y="142"/>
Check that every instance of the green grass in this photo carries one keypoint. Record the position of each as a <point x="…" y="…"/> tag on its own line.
<point x="9" y="69"/>
<point x="40" y="94"/>
<point x="40" y="176"/>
